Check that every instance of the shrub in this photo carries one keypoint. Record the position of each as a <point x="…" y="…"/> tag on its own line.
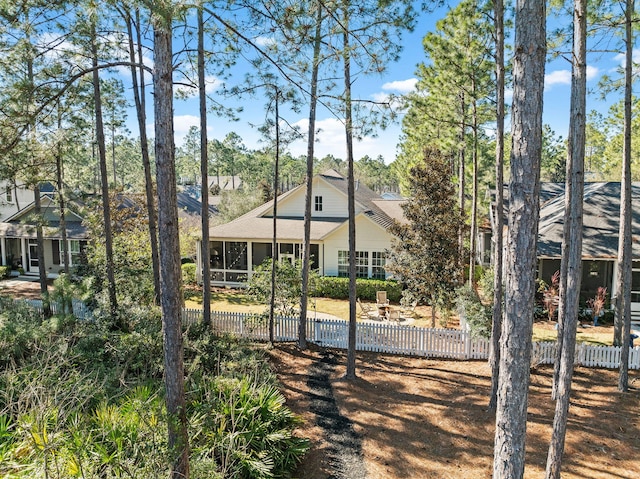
<point x="249" y="429"/>
<point x="4" y="271"/>
<point x="476" y="314"/>
<point x="338" y="288"/>
<point x="189" y="273"/>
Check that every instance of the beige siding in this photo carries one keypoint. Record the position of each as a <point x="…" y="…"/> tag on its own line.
<point x="334" y="202"/>
<point x="369" y="237"/>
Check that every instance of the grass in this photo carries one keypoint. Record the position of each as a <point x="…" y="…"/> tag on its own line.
<point x="237" y="301"/>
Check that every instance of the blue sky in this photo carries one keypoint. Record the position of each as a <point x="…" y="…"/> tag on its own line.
<point x="399" y="78"/>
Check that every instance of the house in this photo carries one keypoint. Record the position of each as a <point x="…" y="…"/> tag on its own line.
<point x="18" y="243"/>
<point x="15" y="197"/>
<point x="238" y="247"/>
<point x="601" y="222"/>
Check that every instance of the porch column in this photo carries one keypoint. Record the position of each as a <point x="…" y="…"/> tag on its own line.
<point x="23" y="254"/>
<point x="3" y="250"/>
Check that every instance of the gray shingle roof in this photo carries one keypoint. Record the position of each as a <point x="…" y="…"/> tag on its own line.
<point x="601" y="222"/>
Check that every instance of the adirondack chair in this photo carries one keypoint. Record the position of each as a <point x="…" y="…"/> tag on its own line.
<point x="409" y="310"/>
<point x="365" y="309"/>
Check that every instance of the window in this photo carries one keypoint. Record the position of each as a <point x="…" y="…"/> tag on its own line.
<point x="362" y="264"/>
<point x="236" y="255"/>
<point x="343" y="263"/>
<point x="9" y="195"/>
<point x="318" y="203"/>
<point x="378" y="262"/>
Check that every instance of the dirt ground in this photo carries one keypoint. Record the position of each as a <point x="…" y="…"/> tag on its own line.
<point x="423" y="418"/>
<point x="21" y="289"/>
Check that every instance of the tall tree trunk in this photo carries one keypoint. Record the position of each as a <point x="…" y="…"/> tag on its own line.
<point x="139" y="94"/>
<point x="351" y="346"/>
<point x="524" y="192"/>
<point x="104" y="181"/>
<point x="61" y="200"/>
<point x="170" y="274"/>
<point x="571" y="269"/>
<point x="306" y="259"/>
<point x="474" y="192"/>
<point x="496" y="326"/>
<point x="461" y="178"/>
<point x="624" y="277"/>
<point x="42" y="267"/>
<point x="274" y="245"/>
<point x="204" y="173"/>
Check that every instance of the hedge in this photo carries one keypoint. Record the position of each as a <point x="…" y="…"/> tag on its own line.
<point x="4" y="271"/>
<point x="338" y="288"/>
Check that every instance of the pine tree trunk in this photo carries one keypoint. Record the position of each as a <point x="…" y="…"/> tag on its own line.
<point x="42" y="267"/>
<point x="524" y="192"/>
<point x="204" y="174"/>
<point x="571" y="270"/>
<point x="104" y="182"/>
<point x="306" y="259"/>
<point x="171" y="291"/>
<point x="496" y="326"/>
<point x="61" y="200"/>
<point x="351" y="346"/>
<point x="625" y="252"/>
<point x="139" y="94"/>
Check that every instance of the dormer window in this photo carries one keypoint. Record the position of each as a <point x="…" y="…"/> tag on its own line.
<point x="318" y="203"/>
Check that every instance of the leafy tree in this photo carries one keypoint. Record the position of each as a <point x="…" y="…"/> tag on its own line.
<point x="554" y="156"/>
<point x="288" y="285"/>
<point x="423" y="257"/>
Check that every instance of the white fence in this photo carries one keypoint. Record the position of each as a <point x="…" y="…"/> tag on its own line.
<point x="384" y="337"/>
<point x="397" y="339"/>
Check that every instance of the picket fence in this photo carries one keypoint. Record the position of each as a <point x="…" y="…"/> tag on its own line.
<point x="381" y="337"/>
<point x="400" y="339"/>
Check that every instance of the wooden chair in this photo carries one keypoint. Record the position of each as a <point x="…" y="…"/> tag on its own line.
<point x="409" y="310"/>
<point x="381" y="298"/>
<point x="365" y="309"/>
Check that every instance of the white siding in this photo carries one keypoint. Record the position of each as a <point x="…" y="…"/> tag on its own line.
<point x="334" y="202"/>
<point x="369" y="237"/>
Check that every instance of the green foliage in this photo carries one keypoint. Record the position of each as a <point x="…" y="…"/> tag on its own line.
<point x="424" y="255"/>
<point x="189" y="273"/>
<point x="79" y="400"/>
<point x="131" y="251"/>
<point x="338" y="288"/>
<point x="4" y="271"/>
<point x="476" y="314"/>
<point x="250" y="429"/>
<point x="288" y="287"/>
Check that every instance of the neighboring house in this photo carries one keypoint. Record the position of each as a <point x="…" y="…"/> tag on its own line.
<point x="599" y="239"/>
<point x="241" y="245"/>
<point x="18" y="244"/>
<point x="14" y="198"/>
<point x="601" y="222"/>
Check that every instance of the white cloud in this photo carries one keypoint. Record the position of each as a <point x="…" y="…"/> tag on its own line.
<point x="330" y="140"/>
<point x="212" y="83"/>
<point x="401" y="86"/>
<point x="592" y="72"/>
<point x="558" y="77"/>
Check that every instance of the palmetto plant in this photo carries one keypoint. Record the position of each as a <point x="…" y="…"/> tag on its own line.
<point x="247" y="429"/>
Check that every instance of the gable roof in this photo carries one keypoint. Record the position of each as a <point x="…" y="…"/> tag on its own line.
<point x="601" y="222"/>
<point x="258" y="223"/>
